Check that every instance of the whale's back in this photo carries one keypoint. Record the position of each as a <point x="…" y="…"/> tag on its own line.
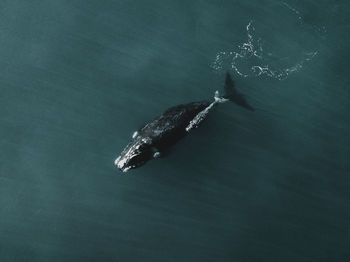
<point x="171" y="125"/>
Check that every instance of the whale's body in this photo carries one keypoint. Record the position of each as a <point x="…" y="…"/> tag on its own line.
<point x="169" y="127"/>
<point x="161" y="133"/>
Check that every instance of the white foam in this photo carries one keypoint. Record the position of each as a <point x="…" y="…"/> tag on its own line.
<point x="249" y="59"/>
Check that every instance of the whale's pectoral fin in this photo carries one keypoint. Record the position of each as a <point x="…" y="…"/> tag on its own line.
<point x="156" y="152"/>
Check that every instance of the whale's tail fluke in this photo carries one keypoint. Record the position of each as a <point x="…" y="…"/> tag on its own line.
<point x="233" y="95"/>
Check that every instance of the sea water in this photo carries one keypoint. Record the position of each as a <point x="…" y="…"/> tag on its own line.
<point x="78" y="78"/>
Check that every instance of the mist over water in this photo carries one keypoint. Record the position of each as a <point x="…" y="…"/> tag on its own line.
<point x="78" y="78"/>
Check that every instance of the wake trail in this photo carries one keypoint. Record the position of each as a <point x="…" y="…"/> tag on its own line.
<point x="250" y="59"/>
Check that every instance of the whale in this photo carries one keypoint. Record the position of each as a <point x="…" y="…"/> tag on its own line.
<point x="156" y="137"/>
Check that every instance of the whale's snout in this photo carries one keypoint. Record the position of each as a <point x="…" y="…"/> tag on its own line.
<point x="116" y="162"/>
<point x="121" y="164"/>
<point x="127" y="162"/>
<point x="134" y="155"/>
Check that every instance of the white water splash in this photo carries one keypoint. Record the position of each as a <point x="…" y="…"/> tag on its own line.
<point x="296" y="12"/>
<point x="249" y="59"/>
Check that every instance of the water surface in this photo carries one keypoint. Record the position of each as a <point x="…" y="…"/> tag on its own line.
<point x="79" y="77"/>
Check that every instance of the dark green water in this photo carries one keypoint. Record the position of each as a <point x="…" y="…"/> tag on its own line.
<point x="78" y="77"/>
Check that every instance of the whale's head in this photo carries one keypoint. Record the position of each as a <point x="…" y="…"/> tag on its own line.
<point x="135" y="154"/>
